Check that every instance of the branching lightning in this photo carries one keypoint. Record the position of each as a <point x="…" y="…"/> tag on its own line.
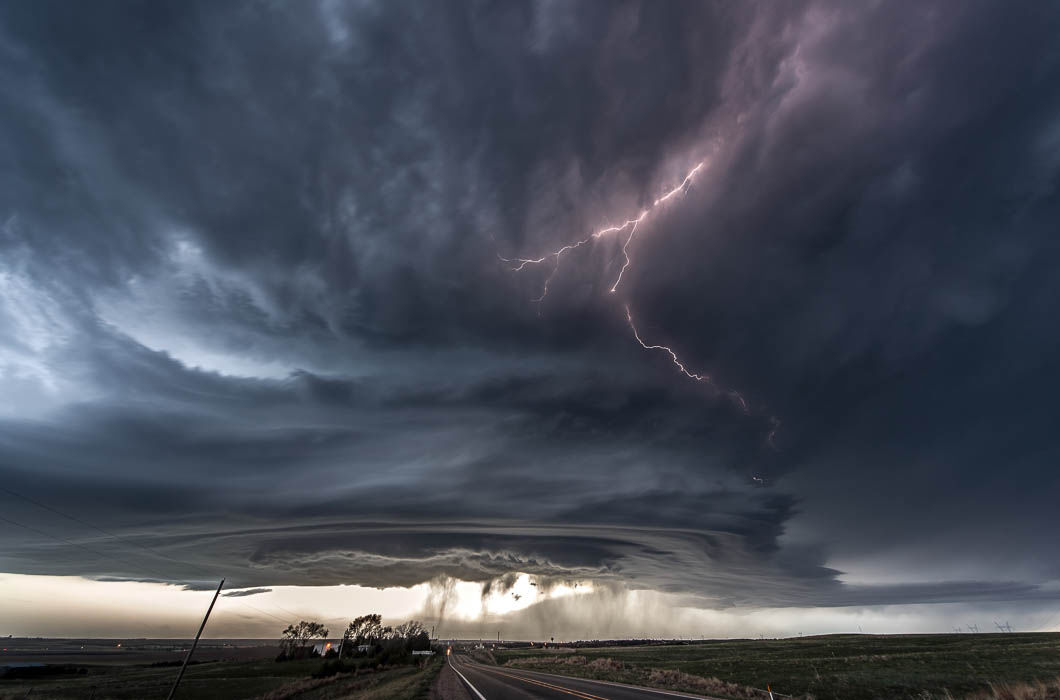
<point x="631" y="227"/>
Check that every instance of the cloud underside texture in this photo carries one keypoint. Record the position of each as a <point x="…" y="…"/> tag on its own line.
<point x="254" y="321"/>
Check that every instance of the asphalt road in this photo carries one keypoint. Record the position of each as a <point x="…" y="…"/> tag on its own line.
<point x="503" y="683"/>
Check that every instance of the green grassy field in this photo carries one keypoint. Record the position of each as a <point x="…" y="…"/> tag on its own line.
<point x="834" y="667"/>
<point x="227" y="680"/>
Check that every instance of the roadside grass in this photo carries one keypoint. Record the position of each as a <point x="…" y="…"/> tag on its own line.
<point x="230" y="680"/>
<point x="221" y="679"/>
<point x="483" y="656"/>
<point x="1039" y="690"/>
<point x="832" y="667"/>
<point x="608" y="669"/>
<point x="401" y="683"/>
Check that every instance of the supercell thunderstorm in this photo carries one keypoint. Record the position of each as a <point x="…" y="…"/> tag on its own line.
<point x="630" y="229"/>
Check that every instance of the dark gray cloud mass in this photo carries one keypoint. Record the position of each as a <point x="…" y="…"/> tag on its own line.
<point x="246" y="592"/>
<point x="253" y="319"/>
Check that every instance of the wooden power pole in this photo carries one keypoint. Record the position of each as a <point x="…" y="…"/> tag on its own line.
<point x="194" y="644"/>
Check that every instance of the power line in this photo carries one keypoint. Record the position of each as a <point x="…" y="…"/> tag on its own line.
<point x="279" y="607"/>
<point x="110" y="556"/>
<point x="65" y="515"/>
<point x="74" y="544"/>
<point x="101" y="530"/>
<point x="253" y="607"/>
<point x="127" y="541"/>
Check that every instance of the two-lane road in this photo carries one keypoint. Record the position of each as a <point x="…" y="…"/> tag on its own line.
<point x="504" y="683"/>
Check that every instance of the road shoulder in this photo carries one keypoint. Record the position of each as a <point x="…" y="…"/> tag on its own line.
<point x="448" y="686"/>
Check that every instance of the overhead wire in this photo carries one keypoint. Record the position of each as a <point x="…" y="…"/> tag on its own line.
<point x="64" y="540"/>
<point x="155" y="574"/>
<point x="107" y="533"/>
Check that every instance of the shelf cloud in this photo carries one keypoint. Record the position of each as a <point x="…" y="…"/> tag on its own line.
<point x="255" y="319"/>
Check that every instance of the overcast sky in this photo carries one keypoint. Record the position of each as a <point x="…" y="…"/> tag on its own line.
<point x="265" y="311"/>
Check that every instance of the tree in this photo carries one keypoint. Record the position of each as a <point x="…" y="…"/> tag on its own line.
<point x="388" y="641"/>
<point x="366" y="629"/>
<point x="414" y="635"/>
<point x="298" y="636"/>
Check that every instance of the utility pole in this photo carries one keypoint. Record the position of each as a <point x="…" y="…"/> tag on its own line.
<point x="194" y="644"/>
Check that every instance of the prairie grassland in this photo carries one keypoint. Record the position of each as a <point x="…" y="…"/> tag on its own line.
<point x="403" y="683"/>
<point x="229" y="680"/>
<point x="1038" y="690"/>
<point x="832" y="667"/>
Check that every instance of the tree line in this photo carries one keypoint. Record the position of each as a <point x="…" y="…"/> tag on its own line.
<point x="365" y="636"/>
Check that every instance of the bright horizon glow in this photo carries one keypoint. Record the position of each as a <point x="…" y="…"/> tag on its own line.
<point x="75" y="607"/>
<point x="92" y="608"/>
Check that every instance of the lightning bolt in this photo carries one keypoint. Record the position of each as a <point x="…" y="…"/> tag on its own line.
<point x="631" y="227"/>
<point x="735" y="396"/>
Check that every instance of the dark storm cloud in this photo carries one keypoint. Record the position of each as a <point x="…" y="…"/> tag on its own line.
<point x="253" y="318"/>
<point x="247" y="592"/>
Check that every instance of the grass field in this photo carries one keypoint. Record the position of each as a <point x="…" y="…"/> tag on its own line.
<point x="228" y="680"/>
<point x="834" y="667"/>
